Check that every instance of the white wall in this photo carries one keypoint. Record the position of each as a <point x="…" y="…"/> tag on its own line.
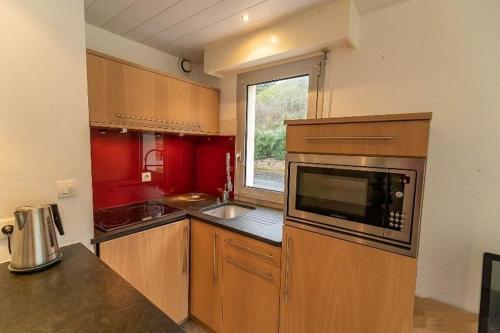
<point x="227" y="111"/>
<point x="44" y="132"/>
<point x="306" y="32"/>
<point x="123" y="48"/>
<point x="440" y="56"/>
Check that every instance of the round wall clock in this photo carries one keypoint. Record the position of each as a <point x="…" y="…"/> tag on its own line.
<point x="185" y="65"/>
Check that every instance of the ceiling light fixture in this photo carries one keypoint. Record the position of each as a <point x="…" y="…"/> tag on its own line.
<point x="245" y="18"/>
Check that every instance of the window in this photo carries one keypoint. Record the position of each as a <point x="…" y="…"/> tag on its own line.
<point x="267" y="97"/>
<point x="269" y="104"/>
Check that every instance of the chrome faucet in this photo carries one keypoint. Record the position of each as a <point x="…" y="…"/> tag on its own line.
<point x="228" y="186"/>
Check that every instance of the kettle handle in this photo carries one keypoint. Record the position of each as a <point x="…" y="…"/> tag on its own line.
<point x="7" y="230"/>
<point x="57" y="218"/>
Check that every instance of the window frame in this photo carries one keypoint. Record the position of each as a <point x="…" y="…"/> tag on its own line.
<point x="314" y="67"/>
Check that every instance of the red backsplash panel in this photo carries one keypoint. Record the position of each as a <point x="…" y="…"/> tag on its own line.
<point x="178" y="164"/>
<point x="211" y="164"/>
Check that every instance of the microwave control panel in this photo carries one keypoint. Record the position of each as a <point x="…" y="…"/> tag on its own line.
<point x="397" y="219"/>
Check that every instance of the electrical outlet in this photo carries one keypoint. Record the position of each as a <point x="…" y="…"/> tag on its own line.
<point x="66" y="188"/>
<point x="5" y="222"/>
<point x="146" y="176"/>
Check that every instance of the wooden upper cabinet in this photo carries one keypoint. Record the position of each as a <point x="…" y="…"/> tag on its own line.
<point x="386" y="135"/>
<point x="126" y="95"/>
<point x="330" y="285"/>
<point x="117" y="91"/>
<point x="208" y="100"/>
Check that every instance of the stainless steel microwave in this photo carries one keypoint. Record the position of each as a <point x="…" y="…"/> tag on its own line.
<point x="370" y="200"/>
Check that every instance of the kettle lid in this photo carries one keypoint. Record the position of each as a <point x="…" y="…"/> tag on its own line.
<point x="23" y="209"/>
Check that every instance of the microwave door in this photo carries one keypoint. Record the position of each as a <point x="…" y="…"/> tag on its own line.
<point x="344" y="197"/>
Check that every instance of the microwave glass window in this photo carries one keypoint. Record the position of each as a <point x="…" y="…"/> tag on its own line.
<point x="348" y="193"/>
<point x="354" y="195"/>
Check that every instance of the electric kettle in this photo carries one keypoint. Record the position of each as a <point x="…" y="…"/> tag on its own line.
<point x="32" y="238"/>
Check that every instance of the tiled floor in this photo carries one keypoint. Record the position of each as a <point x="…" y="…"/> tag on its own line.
<point x="191" y="327"/>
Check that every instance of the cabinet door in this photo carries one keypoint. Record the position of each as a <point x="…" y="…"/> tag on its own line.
<point x="330" y="286"/>
<point x="118" y="93"/>
<point x="207" y="101"/>
<point x="155" y="262"/>
<point x="250" y="294"/>
<point x="206" y="274"/>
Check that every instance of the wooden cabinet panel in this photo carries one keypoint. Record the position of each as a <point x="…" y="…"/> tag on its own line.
<point x="207" y="109"/>
<point x="117" y="90"/>
<point x="254" y="248"/>
<point x="251" y="294"/>
<point x="155" y="262"/>
<point x="206" y="274"/>
<point x="389" y="138"/>
<point x="329" y="285"/>
<point x="122" y="94"/>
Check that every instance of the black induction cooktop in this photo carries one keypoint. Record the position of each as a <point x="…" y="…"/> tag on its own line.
<point x="126" y="215"/>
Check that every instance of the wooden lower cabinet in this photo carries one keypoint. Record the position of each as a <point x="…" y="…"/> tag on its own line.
<point x="235" y="281"/>
<point x="333" y="286"/>
<point x="155" y="262"/>
<point x="250" y="294"/>
<point x="206" y="274"/>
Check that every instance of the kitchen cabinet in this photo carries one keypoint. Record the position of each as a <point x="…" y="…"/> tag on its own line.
<point x="331" y="285"/>
<point x="208" y="100"/>
<point x="122" y="94"/>
<point x="250" y="291"/>
<point x="235" y="281"/>
<point x="386" y="135"/>
<point x="206" y="274"/>
<point x="155" y="262"/>
<point x="117" y="91"/>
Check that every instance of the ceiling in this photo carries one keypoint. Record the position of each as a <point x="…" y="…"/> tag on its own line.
<point x="185" y="27"/>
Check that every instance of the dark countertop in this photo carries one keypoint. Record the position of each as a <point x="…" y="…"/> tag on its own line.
<point x="79" y="294"/>
<point x="264" y="224"/>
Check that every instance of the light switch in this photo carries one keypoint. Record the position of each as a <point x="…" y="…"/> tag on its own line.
<point x="146" y="176"/>
<point x="66" y="188"/>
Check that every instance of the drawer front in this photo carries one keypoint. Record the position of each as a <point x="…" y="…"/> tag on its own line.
<point x="251" y="264"/>
<point x="390" y="138"/>
<point x="251" y="290"/>
<point x="254" y="248"/>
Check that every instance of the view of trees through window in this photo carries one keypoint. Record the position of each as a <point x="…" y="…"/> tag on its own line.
<point x="269" y="104"/>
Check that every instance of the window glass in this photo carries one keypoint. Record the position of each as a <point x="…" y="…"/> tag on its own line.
<point x="268" y="105"/>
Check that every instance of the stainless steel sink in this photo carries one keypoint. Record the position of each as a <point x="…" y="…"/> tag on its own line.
<point x="228" y="211"/>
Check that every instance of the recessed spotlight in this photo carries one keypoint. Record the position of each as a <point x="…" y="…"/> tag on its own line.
<point x="245" y="18"/>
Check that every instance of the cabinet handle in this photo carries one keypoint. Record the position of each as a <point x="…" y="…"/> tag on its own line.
<point x="287" y="268"/>
<point x="214" y="269"/>
<point x="126" y="116"/>
<point x="266" y="276"/>
<point x="185" y="255"/>
<point x="248" y="249"/>
<point x="348" y="137"/>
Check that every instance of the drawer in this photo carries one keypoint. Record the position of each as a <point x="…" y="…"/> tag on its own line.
<point x="254" y="248"/>
<point x="249" y="263"/>
<point x="387" y="138"/>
